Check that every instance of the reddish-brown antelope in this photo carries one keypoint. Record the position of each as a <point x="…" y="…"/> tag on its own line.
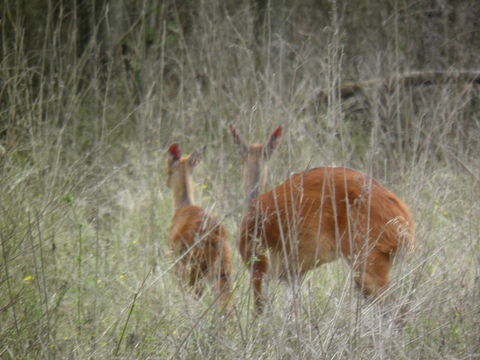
<point x="315" y="217"/>
<point x="199" y="241"/>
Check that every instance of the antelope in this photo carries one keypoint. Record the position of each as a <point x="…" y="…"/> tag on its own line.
<point x="315" y="217"/>
<point x="198" y="239"/>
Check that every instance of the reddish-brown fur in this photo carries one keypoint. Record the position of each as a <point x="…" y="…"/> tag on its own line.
<point x="318" y="215"/>
<point x="204" y="243"/>
<point x="198" y="240"/>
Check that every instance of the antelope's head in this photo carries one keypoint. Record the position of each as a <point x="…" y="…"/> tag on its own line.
<point x="179" y="173"/>
<point x="255" y="157"/>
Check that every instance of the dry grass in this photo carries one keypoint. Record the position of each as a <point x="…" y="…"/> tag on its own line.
<point x="84" y="209"/>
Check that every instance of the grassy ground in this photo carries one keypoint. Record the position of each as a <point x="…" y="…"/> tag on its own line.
<point x="84" y="209"/>
<point x="86" y="271"/>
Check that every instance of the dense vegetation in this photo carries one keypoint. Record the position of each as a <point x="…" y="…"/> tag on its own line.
<point x="92" y="92"/>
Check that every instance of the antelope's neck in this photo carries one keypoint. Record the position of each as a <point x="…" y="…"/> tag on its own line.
<point x="183" y="192"/>
<point x="255" y="175"/>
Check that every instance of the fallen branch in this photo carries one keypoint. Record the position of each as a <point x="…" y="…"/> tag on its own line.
<point x="417" y="78"/>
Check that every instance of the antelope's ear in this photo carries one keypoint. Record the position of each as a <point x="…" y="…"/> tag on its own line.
<point x="197" y="156"/>
<point x="174" y="152"/>
<point x="238" y="140"/>
<point x="273" y="142"/>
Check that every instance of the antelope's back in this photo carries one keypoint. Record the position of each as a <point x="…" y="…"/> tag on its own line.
<point x="328" y="205"/>
<point x="192" y="224"/>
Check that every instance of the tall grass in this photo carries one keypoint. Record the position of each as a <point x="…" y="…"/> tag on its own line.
<point x="84" y="210"/>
